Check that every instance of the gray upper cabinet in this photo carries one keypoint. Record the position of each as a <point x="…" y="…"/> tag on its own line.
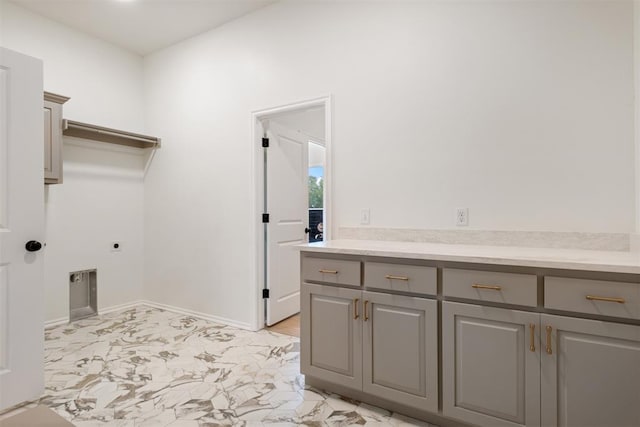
<point x="491" y="365"/>
<point x="400" y="356"/>
<point x="590" y="373"/>
<point x="53" y="137"/>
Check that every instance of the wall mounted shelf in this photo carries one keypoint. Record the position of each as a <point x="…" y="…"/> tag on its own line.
<point x="112" y="136"/>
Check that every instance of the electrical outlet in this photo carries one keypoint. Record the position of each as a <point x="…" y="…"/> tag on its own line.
<point x="365" y="216"/>
<point x="462" y="217"/>
<point x="116" y="246"/>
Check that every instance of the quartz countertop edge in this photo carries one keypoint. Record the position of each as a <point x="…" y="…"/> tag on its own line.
<point x="553" y="258"/>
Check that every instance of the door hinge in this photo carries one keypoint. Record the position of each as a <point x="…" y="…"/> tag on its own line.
<point x="265" y="218"/>
<point x="265" y="142"/>
<point x="265" y="293"/>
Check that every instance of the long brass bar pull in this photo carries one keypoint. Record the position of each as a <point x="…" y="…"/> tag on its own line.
<point x="549" y="349"/>
<point x="532" y="337"/>
<point x="355" y="309"/>
<point x="488" y="287"/>
<point x="366" y="315"/>
<point x="328" y="271"/>
<point x="606" y="299"/>
<point x="391" y="277"/>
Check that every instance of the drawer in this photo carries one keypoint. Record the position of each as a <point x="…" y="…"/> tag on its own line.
<point x="507" y="288"/>
<point x="338" y="271"/>
<point x="401" y="277"/>
<point x="604" y="298"/>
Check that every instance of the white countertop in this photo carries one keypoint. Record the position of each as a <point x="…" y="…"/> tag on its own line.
<point x="569" y="259"/>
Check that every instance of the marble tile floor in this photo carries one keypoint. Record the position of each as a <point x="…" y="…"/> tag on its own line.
<point x="149" y="367"/>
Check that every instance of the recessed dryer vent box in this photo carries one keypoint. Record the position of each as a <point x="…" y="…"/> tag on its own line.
<point x="83" y="294"/>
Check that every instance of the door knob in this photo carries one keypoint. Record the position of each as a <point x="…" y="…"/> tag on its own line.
<point x="33" y="246"/>
<point x="307" y="230"/>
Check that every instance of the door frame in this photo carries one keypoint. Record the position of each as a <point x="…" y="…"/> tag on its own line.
<point x="257" y="200"/>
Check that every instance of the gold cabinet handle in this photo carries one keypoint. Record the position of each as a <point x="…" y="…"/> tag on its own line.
<point x="328" y="271"/>
<point x="532" y="337"/>
<point x="366" y="315"/>
<point x="391" y="277"/>
<point x="607" y="299"/>
<point x="488" y="287"/>
<point x="355" y="309"/>
<point x="549" y="350"/>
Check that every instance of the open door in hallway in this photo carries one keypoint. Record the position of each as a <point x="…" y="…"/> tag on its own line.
<point x="286" y="201"/>
<point x="21" y="221"/>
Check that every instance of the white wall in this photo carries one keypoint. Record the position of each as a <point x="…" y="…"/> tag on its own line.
<point x="101" y="199"/>
<point x="103" y="81"/>
<point x="635" y="239"/>
<point x="520" y="111"/>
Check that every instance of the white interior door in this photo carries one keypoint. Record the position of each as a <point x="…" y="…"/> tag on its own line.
<point x="287" y="205"/>
<point x="21" y="220"/>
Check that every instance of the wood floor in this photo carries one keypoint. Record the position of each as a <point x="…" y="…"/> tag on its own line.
<point x="289" y="326"/>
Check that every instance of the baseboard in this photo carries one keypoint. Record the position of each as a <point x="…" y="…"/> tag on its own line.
<point x="105" y="310"/>
<point x="121" y="307"/>
<point x="216" y="319"/>
<point x="55" y="322"/>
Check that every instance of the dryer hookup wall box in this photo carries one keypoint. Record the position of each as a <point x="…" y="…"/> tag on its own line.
<point x="83" y="294"/>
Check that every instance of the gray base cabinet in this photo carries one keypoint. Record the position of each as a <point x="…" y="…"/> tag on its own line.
<point x="491" y="365"/>
<point x="400" y="357"/>
<point x="506" y="367"/>
<point x="331" y="324"/>
<point x="385" y="345"/>
<point x="517" y="347"/>
<point x="590" y="373"/>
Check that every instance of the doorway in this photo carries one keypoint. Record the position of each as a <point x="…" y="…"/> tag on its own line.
<point x="292" y="176"/>
<point x="316" y="179"/>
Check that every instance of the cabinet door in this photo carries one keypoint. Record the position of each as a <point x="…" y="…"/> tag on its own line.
<point x="331" y="341"/>
<point x="52" y="143"/>
<point x="590" y="373"/>
<point x="400" y="360"/>
<point x="491" y="365"/>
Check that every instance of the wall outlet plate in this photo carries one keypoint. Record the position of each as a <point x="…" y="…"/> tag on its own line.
<point x="116" y="246"/>
<point x="365" y="216"/>
<point x="462" y="217"/>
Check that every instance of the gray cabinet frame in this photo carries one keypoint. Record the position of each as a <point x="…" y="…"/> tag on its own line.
<point x="53" y="137"/>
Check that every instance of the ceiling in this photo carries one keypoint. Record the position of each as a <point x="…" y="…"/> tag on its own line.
<point x="143" y="26"/>
<point x="309" y="121"/>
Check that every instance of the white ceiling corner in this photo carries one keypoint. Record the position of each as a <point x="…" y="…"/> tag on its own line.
<point x="143" y="26"/>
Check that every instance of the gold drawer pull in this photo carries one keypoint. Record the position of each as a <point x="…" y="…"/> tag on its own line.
<point x="607" y="299"/>
<point x="489" y="287"/>
<point x="391" y="277"/>
<point x="355" y="309"/>
<point x="366" y="315"/>
<point x="328" y="271"/>
<point x="532" y="337"/>
<point x="549" y="350"/>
